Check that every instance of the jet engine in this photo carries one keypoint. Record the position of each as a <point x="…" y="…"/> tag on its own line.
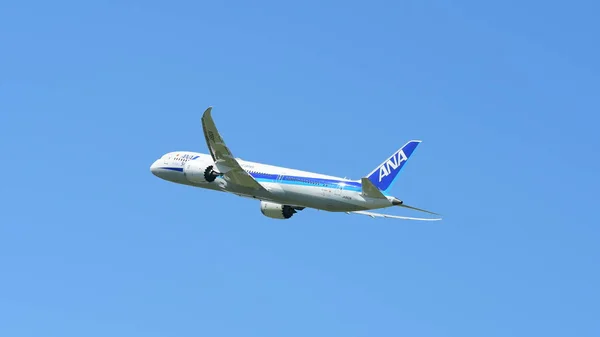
<point x="276" y="211"/>
<point x="199" y="172"/>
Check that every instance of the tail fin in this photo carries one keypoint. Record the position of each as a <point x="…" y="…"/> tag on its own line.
<point x="384" y="175"/>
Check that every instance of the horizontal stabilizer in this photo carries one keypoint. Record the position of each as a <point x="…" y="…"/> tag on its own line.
<point x="369" y="190"/>
<point x="378" y="215"/>
<point x="417" y="209"/>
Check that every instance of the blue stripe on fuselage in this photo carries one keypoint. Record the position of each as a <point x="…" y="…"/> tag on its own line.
<point x="178" y="169"/>
<point x="308" y="181"/>
<point x="298" y="180"/>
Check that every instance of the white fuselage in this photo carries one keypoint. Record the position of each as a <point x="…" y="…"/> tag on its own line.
<point x="283" y="185"/>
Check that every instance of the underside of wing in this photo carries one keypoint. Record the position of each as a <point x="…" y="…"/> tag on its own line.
<point x="224" y="159"/>
<point x="378" y="215"/>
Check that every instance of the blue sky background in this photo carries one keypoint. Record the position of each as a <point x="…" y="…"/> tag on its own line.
<point x="504" y="96"/>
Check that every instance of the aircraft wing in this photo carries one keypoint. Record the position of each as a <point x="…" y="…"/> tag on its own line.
<point x="378" y="215"/>
<point x="224" y="161"/>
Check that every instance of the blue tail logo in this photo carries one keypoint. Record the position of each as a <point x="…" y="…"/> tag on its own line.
<point x="385" y="174"/>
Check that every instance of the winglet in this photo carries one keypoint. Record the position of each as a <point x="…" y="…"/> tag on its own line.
<point x="208" y="134"/>
<point x="207" y="112"/>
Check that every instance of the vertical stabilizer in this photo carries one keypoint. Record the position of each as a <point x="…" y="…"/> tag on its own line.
<point x="384" y="175"/>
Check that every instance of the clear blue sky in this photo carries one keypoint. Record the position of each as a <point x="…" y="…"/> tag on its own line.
<point x="504" y="96"/>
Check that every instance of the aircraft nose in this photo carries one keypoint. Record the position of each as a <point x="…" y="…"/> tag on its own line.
<point x="154" y="168"/>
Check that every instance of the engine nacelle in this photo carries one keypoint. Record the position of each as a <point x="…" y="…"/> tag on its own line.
<point x="199" y="172"/>
<point x="276" y="211"/>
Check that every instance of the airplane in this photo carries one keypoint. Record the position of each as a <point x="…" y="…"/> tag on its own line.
<point x="283" y="191"/>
